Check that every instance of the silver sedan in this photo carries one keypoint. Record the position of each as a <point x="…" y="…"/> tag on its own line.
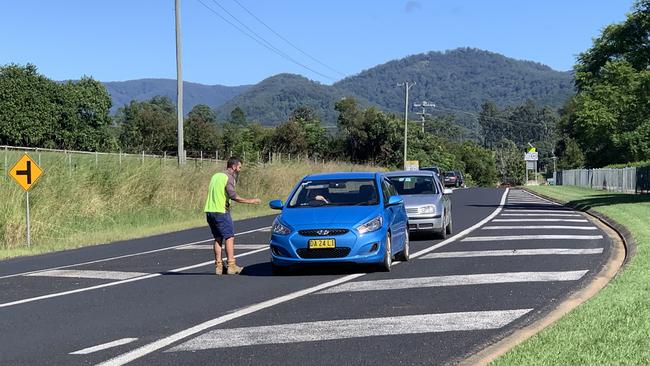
<point x="427" y="202"/>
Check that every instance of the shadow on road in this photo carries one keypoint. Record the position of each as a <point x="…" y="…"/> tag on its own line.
<point x="264" y="269"/>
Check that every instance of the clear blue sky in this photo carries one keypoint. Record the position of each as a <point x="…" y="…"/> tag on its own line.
<point x="113" y="40"/>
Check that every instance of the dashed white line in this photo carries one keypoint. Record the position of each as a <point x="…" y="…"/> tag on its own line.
<point x="351" y="328"/>
<point x="100" y="275"/>
<point x="551" y="214"/>
<point x="539" y="227"/>
<point x="104" y="346"/>
<point x="533" y="237"/>
<point x="540" y="220"/>
<point x="456" y="280"/>
<point x="512" y="252"/>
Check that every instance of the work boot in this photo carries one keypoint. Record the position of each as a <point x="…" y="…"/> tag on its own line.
<point x="218" y="268"/>
<point x="233" y="268"/>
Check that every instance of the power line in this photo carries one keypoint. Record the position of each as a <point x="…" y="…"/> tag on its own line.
<point x="505" y="119"/>
<point x="260" y="39"/>
<point x="286" y="40"/>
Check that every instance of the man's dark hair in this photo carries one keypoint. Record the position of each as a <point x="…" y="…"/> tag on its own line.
<point x="232" y="162"/>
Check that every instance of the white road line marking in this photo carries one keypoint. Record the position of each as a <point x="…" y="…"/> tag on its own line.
<point x="100" y="275"/>
<point x="164" y="342"/>
<point x="127" y="255"/>
<point x="104" y="346"/>
<point x="514" y="252"/>
<point x="546" y="210"/>
<point x="211" y="246"/>
<point x="110" y="284"/>
<point x="351" y="328"/>
<point x="456" y="280"/>
<point x="534" y="227"/>
<point x="542" y="214"/>
<point x="540" y="220"/>
<point x="533" y="237"/>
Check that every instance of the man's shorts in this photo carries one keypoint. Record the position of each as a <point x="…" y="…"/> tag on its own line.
<point x="221" y="225"/>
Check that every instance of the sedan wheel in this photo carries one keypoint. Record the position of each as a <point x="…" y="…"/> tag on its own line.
<point x="449" y="229"/>
<point x="388" y="256"/>
<point x="405" y="254"/>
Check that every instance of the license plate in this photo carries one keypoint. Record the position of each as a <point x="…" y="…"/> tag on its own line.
<point x="322" y="243"/>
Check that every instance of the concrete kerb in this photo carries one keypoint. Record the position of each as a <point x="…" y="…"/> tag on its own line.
<point x="624" y="248"/>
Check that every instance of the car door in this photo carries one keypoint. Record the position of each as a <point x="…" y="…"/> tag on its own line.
<point x="398" y="220"/>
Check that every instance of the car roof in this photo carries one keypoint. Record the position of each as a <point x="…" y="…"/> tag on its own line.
<point x="400" y="173"/>
<point x="342" y="175"/>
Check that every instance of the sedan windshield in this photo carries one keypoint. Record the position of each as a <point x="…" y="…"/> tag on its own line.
<point x="335" y="192"/>
<point x="408" y="185"/>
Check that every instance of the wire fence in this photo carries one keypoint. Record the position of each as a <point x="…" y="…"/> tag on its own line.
<point x="626" y="180"/>
<point x="74" y="158"/>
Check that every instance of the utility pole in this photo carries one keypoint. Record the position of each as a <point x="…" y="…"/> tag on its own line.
<point x="407" y="86"/>
<point x="423" y="114"/>
<point x="179" y="86"/>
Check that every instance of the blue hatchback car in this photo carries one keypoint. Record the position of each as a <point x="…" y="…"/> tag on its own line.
<point x="340" y="217"/>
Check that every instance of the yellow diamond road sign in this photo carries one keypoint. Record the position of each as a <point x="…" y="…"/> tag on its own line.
<point x="25" y="172"/>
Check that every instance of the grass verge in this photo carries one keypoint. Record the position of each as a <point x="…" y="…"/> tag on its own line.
<point x="613" y="328"/>
<point x="81" y="201"/>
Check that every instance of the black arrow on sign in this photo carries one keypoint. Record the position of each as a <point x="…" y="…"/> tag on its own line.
<point x="27" y="172"/>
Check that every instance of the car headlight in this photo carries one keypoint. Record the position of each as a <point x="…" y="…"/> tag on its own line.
<point x="370" y="226"/>
<point x="280" y="229"/>
<point x="428" y="209"/>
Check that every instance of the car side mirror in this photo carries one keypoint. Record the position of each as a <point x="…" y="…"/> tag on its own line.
<point x="395" y="200"/>
<point x="276" y="204"/>
<point x="447" y="191"/>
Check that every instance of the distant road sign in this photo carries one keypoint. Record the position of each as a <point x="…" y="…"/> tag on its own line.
<point x="531" y="156"/>
<point x="25" y="172"/>
<point x="412" y="165"/>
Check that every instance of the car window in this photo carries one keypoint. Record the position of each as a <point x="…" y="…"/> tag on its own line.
<point x="335" y="192"/>
<point x="413" y="184"/>
<point x="385" y="191"/>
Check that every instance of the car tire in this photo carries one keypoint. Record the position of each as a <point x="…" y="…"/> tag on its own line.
<point x="450" y="228"/>
<point x="387" y="262"/>
<point x="405" y="254"/>
<point x="442" y="234"/>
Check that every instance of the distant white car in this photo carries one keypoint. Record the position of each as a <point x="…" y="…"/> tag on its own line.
<point x="427" y="202"/>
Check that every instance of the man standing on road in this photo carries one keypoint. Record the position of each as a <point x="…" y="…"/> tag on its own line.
<point x="217" y="211"/>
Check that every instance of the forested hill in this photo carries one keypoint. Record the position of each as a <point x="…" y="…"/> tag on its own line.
<point x="123" y="92"/>
<point x="461" y="79"/>
<point x="272" y="100"/>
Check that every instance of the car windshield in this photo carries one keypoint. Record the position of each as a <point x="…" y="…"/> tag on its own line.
<point x="449" y="174"/>
<point x="335" y="192"/>
<point x="408" y="185"/>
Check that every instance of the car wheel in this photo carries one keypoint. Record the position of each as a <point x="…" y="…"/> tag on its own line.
<point x="388" y="256"/>
<point x="442" y="234"/>
<point x="405" y="254"/>
<point x="449" y="229"/>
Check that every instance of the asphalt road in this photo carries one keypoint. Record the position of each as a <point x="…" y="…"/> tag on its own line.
<point x="156" y="301"/>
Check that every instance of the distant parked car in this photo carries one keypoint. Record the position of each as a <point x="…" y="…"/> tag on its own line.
<point x="340" y="218"/>
<point x="451" y="179"/>
<point x="461" y="180"/>
<point x="434" y="169"/>
<point x="427" y="202"/>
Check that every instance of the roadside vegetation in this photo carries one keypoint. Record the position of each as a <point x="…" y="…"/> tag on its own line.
<point x="85" y="203"/>
<point x="612" y="328"/>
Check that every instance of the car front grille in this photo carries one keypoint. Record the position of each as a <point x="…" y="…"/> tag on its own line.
<point x="323" y="232"/>
<point x="412" y="210"/>
<point x="323" y="253"/>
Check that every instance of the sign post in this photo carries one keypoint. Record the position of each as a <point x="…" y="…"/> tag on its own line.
<point x="26" y="172"/>
<point x="531" y="157"/>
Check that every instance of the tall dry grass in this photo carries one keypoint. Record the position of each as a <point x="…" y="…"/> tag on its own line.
<point x="84" y="202"/>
